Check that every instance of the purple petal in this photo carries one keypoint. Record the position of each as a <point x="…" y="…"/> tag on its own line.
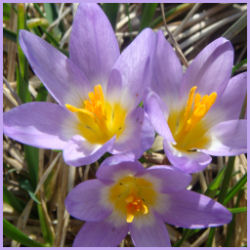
<point x="228" y="138"/>
<point x="93" y="45"/>
<point x="167" y="71"/>
<point x="170" y="178"/>
<point x="192" y="210"/>
<point x="60" y="76"/>
<point x="228" y="106"/>
<point x="133" y="64"/>
<point x="100" y="234"/>
<point x="84" y="201"/>
<point x="137" y="137"/>
<point x="153" y="107"/>
<point x="152" y="235"/>
<point x="78" y="152"/>
<point x="211" y="69"/>
<point x="39" y="124"/>
<point x="188" y="162"/>
<point x="117" y="164"/>
<point x="147" y="135"/>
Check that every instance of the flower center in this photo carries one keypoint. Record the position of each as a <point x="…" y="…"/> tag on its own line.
<point x="98" y="119"/>
<point x="187" y="126"/>
<point x="132" y="196"/>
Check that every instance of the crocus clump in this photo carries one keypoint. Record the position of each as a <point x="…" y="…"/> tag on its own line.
<point x="98" y="91"/>
<point x="126" y="197"/>
<point x="197" y="113"/>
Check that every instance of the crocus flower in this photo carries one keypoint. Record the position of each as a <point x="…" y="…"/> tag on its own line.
<point x="126" y="197"/>
<point x="98" y="91"/>
<point x="197" y="113"/>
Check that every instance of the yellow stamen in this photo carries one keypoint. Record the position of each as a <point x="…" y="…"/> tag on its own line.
<point x="134" y="205"/>
<point x="99" y="120"/>
<point x="132" y="196"/>
<point x="196" y="108"/>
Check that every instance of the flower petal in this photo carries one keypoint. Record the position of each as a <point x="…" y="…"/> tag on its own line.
<point x="133" y="64"/>
<point x="84" y="201"/>
<point x="100" y="234"/>
<point x="137" y="137"/>
<point x="154" y="109"/>
<point x="39" y="124"/>
<point x="192" y="210"/>
<point x="60" y="76"/>
<point x="211" y="69"/>
<point x="188" y="162"/>
<point x="171" y="179"/>
<point x="78" y="152"/>
<point x="228" y="106"/>
<point x="167" y="71"/>
<point x="151" y="235"/>
<point x="93" y="45"/>
<point x="228" y="138"/>
<point x="118" y="163"/>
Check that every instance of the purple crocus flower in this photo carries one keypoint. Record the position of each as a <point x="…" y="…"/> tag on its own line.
<point x="197" y="113"/>
<point x="126" y="197"/>
<point x="97" y="90"/>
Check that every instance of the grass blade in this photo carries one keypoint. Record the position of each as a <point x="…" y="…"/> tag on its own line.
<point x="9" y="35"/>
<point x="237" y="210"/>
<point x="215" y="184"/>
<point x="22" y="69"/>
<point x="13" y="233"/>
<point x="237" y="66"/>
<point x="48" y="234"/>
<point x="238" y="186"/>
<point x="12" y="200"/>
<point x="222" y="194"/>
<point x="148" y="11"/>
<point x="111" y="10"/>
<point x="169" y="15"/>
<point x="31" y="156"/>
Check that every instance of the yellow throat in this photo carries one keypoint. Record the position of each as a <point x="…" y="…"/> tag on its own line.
<point x="98" y="119"/>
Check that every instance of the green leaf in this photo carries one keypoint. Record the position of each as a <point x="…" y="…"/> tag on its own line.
<point x="234" y="190"/>
<point x="25" y="184"/>
<point x="22" y="69"/>
<point x="42" y="94"/>
<point x="237" y="210"/>
<point x="48" y="235"/>
<point x="13" y="233"/>
<point x="226" y="179"/>
<point x="111" y="10"/>
<point x="51" y="16"/>
<point x="31" y="156"/>
<point x="179" y="9"/>
<point x="222" y="194"/>
<point x="36" y="22"/>
<point x="6" y="11"/>
<point x="9" y="35"/>
<point x="51" y="12"/>
<point x="210" y="237"/>
<point x="148" y="11"/>
<point x="237" y="66"/>
<point x="231" y="225"/>
<point x="36" y="6"/>
<point x="12" y="200"/>
<point x="215" y="184"/>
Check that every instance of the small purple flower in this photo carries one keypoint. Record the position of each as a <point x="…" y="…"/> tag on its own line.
<point x="97" y="90"/>
<point x="197" y="113"/>
<point x="126" y="197"/>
